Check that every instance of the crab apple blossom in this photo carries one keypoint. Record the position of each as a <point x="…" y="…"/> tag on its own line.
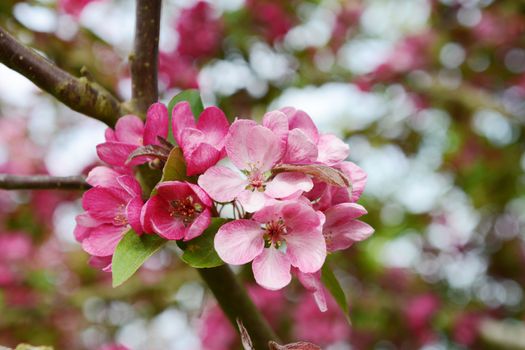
<point x="202" y="142"/>
<point x="130" y="133"/>
<point x="179" y="210"/>
<point x="254" y="150"/>
<point x="112" y="207"/>
<point x="277" y="237"/>
<point x="304" y="143"/>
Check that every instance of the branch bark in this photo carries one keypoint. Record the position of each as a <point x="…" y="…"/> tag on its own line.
<point x="144" y="59"/>
<point x="236" y="304"/>
<point x="79" y="94"/>
<point x="42" y="182"/>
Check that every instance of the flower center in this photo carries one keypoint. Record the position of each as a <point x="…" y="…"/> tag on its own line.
<point x="256" y="180"/>
<point x="273" y="234"/>
<point x="120" y="219"/>
<point x="185" y="209"/>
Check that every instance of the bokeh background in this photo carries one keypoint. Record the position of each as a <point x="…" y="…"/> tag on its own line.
<point x="430" y="96"/>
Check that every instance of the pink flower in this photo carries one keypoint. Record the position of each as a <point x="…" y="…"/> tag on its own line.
<point x="271" y="17"/>
<point x="202" y="142"/>
<point x="325" y="195"/>
<point x="179" y="210"/>
<point x="279" y="236"/>
<point x="73" y="7"/>
<point x="341" y="229"/>
<point x="254" y="149"/>
<point x="176" y="71"/>
<point x="131" y="133"/>
<point x="200" y="32"/>
<point x="304" y="143"/>
<point x="112" y="207"/>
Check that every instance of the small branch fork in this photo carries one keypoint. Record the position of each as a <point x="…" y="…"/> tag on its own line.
<point x="79" y="94"/>
<point x="42" y="182"/>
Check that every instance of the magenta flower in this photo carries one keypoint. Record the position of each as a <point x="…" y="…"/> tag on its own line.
<point x="279" y="236"/>
<point x="179" y="210"/>
<point x="200" y="31"/>
<point x="202" y="142"/>
<point x="254" y="150"/>
<point x="130" y="133"/>
<point x="112" y="207"/>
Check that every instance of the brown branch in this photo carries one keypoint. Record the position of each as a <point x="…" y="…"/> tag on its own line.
<point x="144" y="59"/>
<point x="237" y="305"/>
<point x="42" y="182"/>
<point x="79" y="94"/>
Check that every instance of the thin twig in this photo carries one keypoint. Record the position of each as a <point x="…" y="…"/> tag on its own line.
<point x="79" y="94"/>
<point x="145" y="56"/>
<point x="42" y="182"/>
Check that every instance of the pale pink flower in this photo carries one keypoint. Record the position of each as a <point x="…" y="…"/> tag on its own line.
<point x="304" y="143"/>
<point x="112" y="207"/>
<point x="254" y="149"/>
<point x="202" y="142"/>
<point x="325" y="195"/>
<point x="130" y="133"/>
<point x="279" y="236"/>
<point x="179" y="210"/>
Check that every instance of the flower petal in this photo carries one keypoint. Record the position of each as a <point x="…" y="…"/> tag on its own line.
<point x="181" y="118"/>
<point x="103" y="176"/>
<point x="103" y="239"/>
<point x="357" y="177"/>
<point x="213" y="123"/>
<point x="201" y="159"/>
<point x="286" y="184"/>
<point x="300" y="149"/>
<point x="251" y="201"/>
<point x="271" y="269"/>
<point x="277" y="122"/>
<point x="332" y="150"/>
<point x="222" y="184"/>
<point x="104" y="204"/>
<point x="298" y="119"/>
<point x="133" y="210"/>
<point x="341" y="229"/>
<point x="130" y="185"/>
<point x="129" y="129"/>
<point x="162" y="222"/>
<point x="238" y="242"/>
<point x="307" y="250"/>
<point x="312" y="283"/>
<point x="115" y="153"/>
<point x="157" y="124"/>
<point x="253" y="146"/>
<point x="198" y="225"/>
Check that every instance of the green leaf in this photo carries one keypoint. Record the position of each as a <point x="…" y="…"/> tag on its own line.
<point x="131" y="252"/>
<point x="200" y="252"/>
<point x="175" y="167"/>
<point x="191" y="96"/>
<point x="332" y="284"/>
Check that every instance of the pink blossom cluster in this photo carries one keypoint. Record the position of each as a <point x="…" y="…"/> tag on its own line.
<point x="271" y="17"/>
<point x="292" y="192"/>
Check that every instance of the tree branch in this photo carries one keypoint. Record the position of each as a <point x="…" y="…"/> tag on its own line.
<point x="79" y="94"/>
<point x="144" y="59"/>
<point x="42" y="182"/>
<point x="236" y="304"/>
